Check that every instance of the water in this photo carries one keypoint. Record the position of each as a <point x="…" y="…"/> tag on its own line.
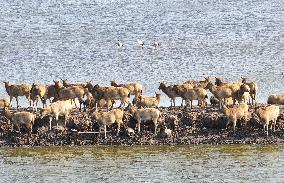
<point x="45" y="40"/>
<point x="226" y="163"/>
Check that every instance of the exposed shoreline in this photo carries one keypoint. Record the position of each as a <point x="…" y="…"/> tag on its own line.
<point x="196" y="127"/>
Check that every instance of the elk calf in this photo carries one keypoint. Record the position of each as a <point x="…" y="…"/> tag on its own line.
<point x="57" y="109"/>
<point x="236" y="112"/>
<point x="267" y="114"/>
<point x="105" y="119"/>
<point x="19" y="118"/>
<point x="144" y="114"/>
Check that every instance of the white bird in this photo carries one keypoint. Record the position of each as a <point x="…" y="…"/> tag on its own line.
<point x="282" y="74"/>
<point x="141" y="43"/>
<point x="157" y="44"/>
<point x="119" y="44"/>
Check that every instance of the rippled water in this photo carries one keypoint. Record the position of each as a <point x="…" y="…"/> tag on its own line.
<point x="228" y="163"/>
<point x="45" y="40"/>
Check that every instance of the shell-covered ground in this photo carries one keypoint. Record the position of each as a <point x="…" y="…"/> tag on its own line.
<point x="187" y="127"/>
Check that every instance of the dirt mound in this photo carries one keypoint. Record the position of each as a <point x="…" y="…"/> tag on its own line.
<point x="181" y="127"/>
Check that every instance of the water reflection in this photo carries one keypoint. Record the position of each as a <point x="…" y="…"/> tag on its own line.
<point x="146" y="163"/>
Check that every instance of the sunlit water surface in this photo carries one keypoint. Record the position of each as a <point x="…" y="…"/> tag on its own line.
<point x="45" y="40"/>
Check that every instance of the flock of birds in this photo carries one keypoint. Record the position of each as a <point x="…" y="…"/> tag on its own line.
<point x="156" y="44"/>
<point x="141" y="43"/>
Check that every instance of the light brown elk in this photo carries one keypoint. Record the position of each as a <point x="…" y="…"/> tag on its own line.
<point x="14" y="91"/>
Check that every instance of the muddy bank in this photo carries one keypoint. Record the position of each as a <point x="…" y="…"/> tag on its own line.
<point x="195" y="127"/>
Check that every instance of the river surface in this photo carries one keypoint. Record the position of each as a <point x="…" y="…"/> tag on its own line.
<point x="43" y="40"/>
<point x="202" y="163"/>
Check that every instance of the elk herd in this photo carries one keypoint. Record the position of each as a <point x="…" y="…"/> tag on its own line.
<point x="233" y="99"/>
